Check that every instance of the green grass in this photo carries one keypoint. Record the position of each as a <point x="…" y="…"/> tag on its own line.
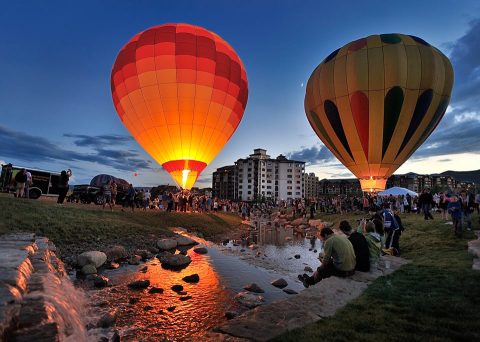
<point x="74" y="225"/>
<point x="435" y="298"/>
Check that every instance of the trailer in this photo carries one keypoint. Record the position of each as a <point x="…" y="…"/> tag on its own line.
<point x="44" y="183"/>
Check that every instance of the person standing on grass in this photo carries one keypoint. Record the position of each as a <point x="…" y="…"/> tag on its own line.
<point x="28" y="182"/>
<point x="393" y="230"/>
<point x="454" y="208"/>
<point x="114" y="193"/>
<point x="107" y="195"/>
<point x="130" y="198"/>
<point x="467" y="201"/>
<point x="20" y="180"/>
<point x="425" y="203"/>
<point x="63" y="185"/>
<point x="338" y="259"/>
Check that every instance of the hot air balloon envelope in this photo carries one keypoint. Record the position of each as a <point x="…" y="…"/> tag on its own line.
<point x="181" y="92"/>
<point x="374" y="101"/>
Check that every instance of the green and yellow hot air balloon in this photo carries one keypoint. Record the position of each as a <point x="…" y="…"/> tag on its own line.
<point x="374" y="101"/>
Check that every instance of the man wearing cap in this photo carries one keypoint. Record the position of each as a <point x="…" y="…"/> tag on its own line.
<point x="338" y="258"/>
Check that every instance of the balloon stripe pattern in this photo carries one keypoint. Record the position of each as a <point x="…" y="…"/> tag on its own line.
<point x="374" y="101"/>
<point x="181" y="91"/>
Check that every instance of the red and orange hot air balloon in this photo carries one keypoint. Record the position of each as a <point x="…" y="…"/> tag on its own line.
<point x="374" y="101"/>
<point x="181" y="92"/>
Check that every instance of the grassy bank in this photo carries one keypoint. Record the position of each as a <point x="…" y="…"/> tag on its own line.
<point x="86" y="226"/>
<point x="435" y="298"/>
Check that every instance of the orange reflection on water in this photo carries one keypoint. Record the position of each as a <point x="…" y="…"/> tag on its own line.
<point x="153" y="316"/>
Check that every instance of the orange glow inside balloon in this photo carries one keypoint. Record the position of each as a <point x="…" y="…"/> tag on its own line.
<point x="181" y="92"/>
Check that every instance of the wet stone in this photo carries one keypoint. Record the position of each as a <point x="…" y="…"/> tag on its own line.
<point x="297" y="256"/>
<point x="171" y="308"/>
<point x="112" y="265"/>
<point x="231" y="314"/>
<point x="200" y="250"/>
<point x="290" y="291"/>
<point x="148" y="307"/>
<point x="177" y="288"/>
<point x="184" y="298"/>
<point x="100" y="281"/>
<point x="115" y="337"/>
<point x="253" y="288"/>
<point x="133" y="300"/>
<point x="193" y="278"/>
<point x="139" y="284"/>
<point x="107" y="320"/>
<point x="280" y="283"/>
<point x="155" y="290"/>
<point x="144" y="269"/>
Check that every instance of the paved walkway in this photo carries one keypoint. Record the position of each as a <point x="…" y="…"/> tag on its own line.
<point x="311" y="305"/>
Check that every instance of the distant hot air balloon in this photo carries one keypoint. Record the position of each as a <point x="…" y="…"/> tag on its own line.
<point x="135" y="174"/>
<point x="374" y="101"/>
<point x="181" y="92"/>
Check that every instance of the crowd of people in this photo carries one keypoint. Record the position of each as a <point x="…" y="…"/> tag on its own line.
<point x="360" y="249"/>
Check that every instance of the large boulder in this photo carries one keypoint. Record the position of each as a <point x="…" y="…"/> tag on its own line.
<point x="89" y="269"/>
<point x="117" y="253"/>
<point x="174" y="261"/>
<point x="95" y="258"/>
<point x="185" y="241"/>
<point x="249" y="300"/>
<point x="166" y="244"/>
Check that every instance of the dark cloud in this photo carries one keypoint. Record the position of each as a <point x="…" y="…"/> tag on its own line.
<point x="465" y="57"/>
<point x="30" y="148"/>
<point x="458" y="130"/>
<point x="98" y="140"/>
<point x="312" y="155"/>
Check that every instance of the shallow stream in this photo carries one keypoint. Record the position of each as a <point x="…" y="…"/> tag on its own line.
<point x="223" y="273"/>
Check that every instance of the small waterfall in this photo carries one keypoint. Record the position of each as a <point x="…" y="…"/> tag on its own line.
<point x="66" y="306"/>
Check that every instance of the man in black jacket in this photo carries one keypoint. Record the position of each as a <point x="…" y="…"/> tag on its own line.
<point x="425" y="203"/>
<point x="360" y="246"/>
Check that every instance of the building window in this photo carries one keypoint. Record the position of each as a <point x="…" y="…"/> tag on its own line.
<point x="289" y="193"/>
<point x="269" y="187"/>
<point x="289" y="187"/>
<point x="289" y="170"/>
<point x="269" y="181"/>
<point x="249" y="186"/>
<point x="249" y="192"/>
<point x="297" y="193"/>
<point x="298" y="182"/>
<point x="289" y="176"/>
<point x="289" y="182"/>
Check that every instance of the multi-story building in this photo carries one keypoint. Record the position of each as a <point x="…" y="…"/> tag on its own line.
<point x="339" y="187"/>
<point x="261" y="177"/>
<point x="311" y="185"/>
<point x="224" y="185"/>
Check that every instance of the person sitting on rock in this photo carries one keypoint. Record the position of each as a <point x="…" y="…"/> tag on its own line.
<point x="360" y="246"/>
<point x="338" y="258"/>
<point x="374" y="241"/>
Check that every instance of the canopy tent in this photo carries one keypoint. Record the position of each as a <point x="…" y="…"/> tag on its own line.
<point x="396" y="190"/>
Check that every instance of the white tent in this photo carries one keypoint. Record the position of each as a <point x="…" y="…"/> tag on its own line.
<point x="396" y="190"/>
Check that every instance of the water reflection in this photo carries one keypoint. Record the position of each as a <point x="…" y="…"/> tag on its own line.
<point x="152" y="317"/>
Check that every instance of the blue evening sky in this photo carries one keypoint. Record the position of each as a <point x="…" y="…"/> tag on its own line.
<point x="56" y="56"/>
